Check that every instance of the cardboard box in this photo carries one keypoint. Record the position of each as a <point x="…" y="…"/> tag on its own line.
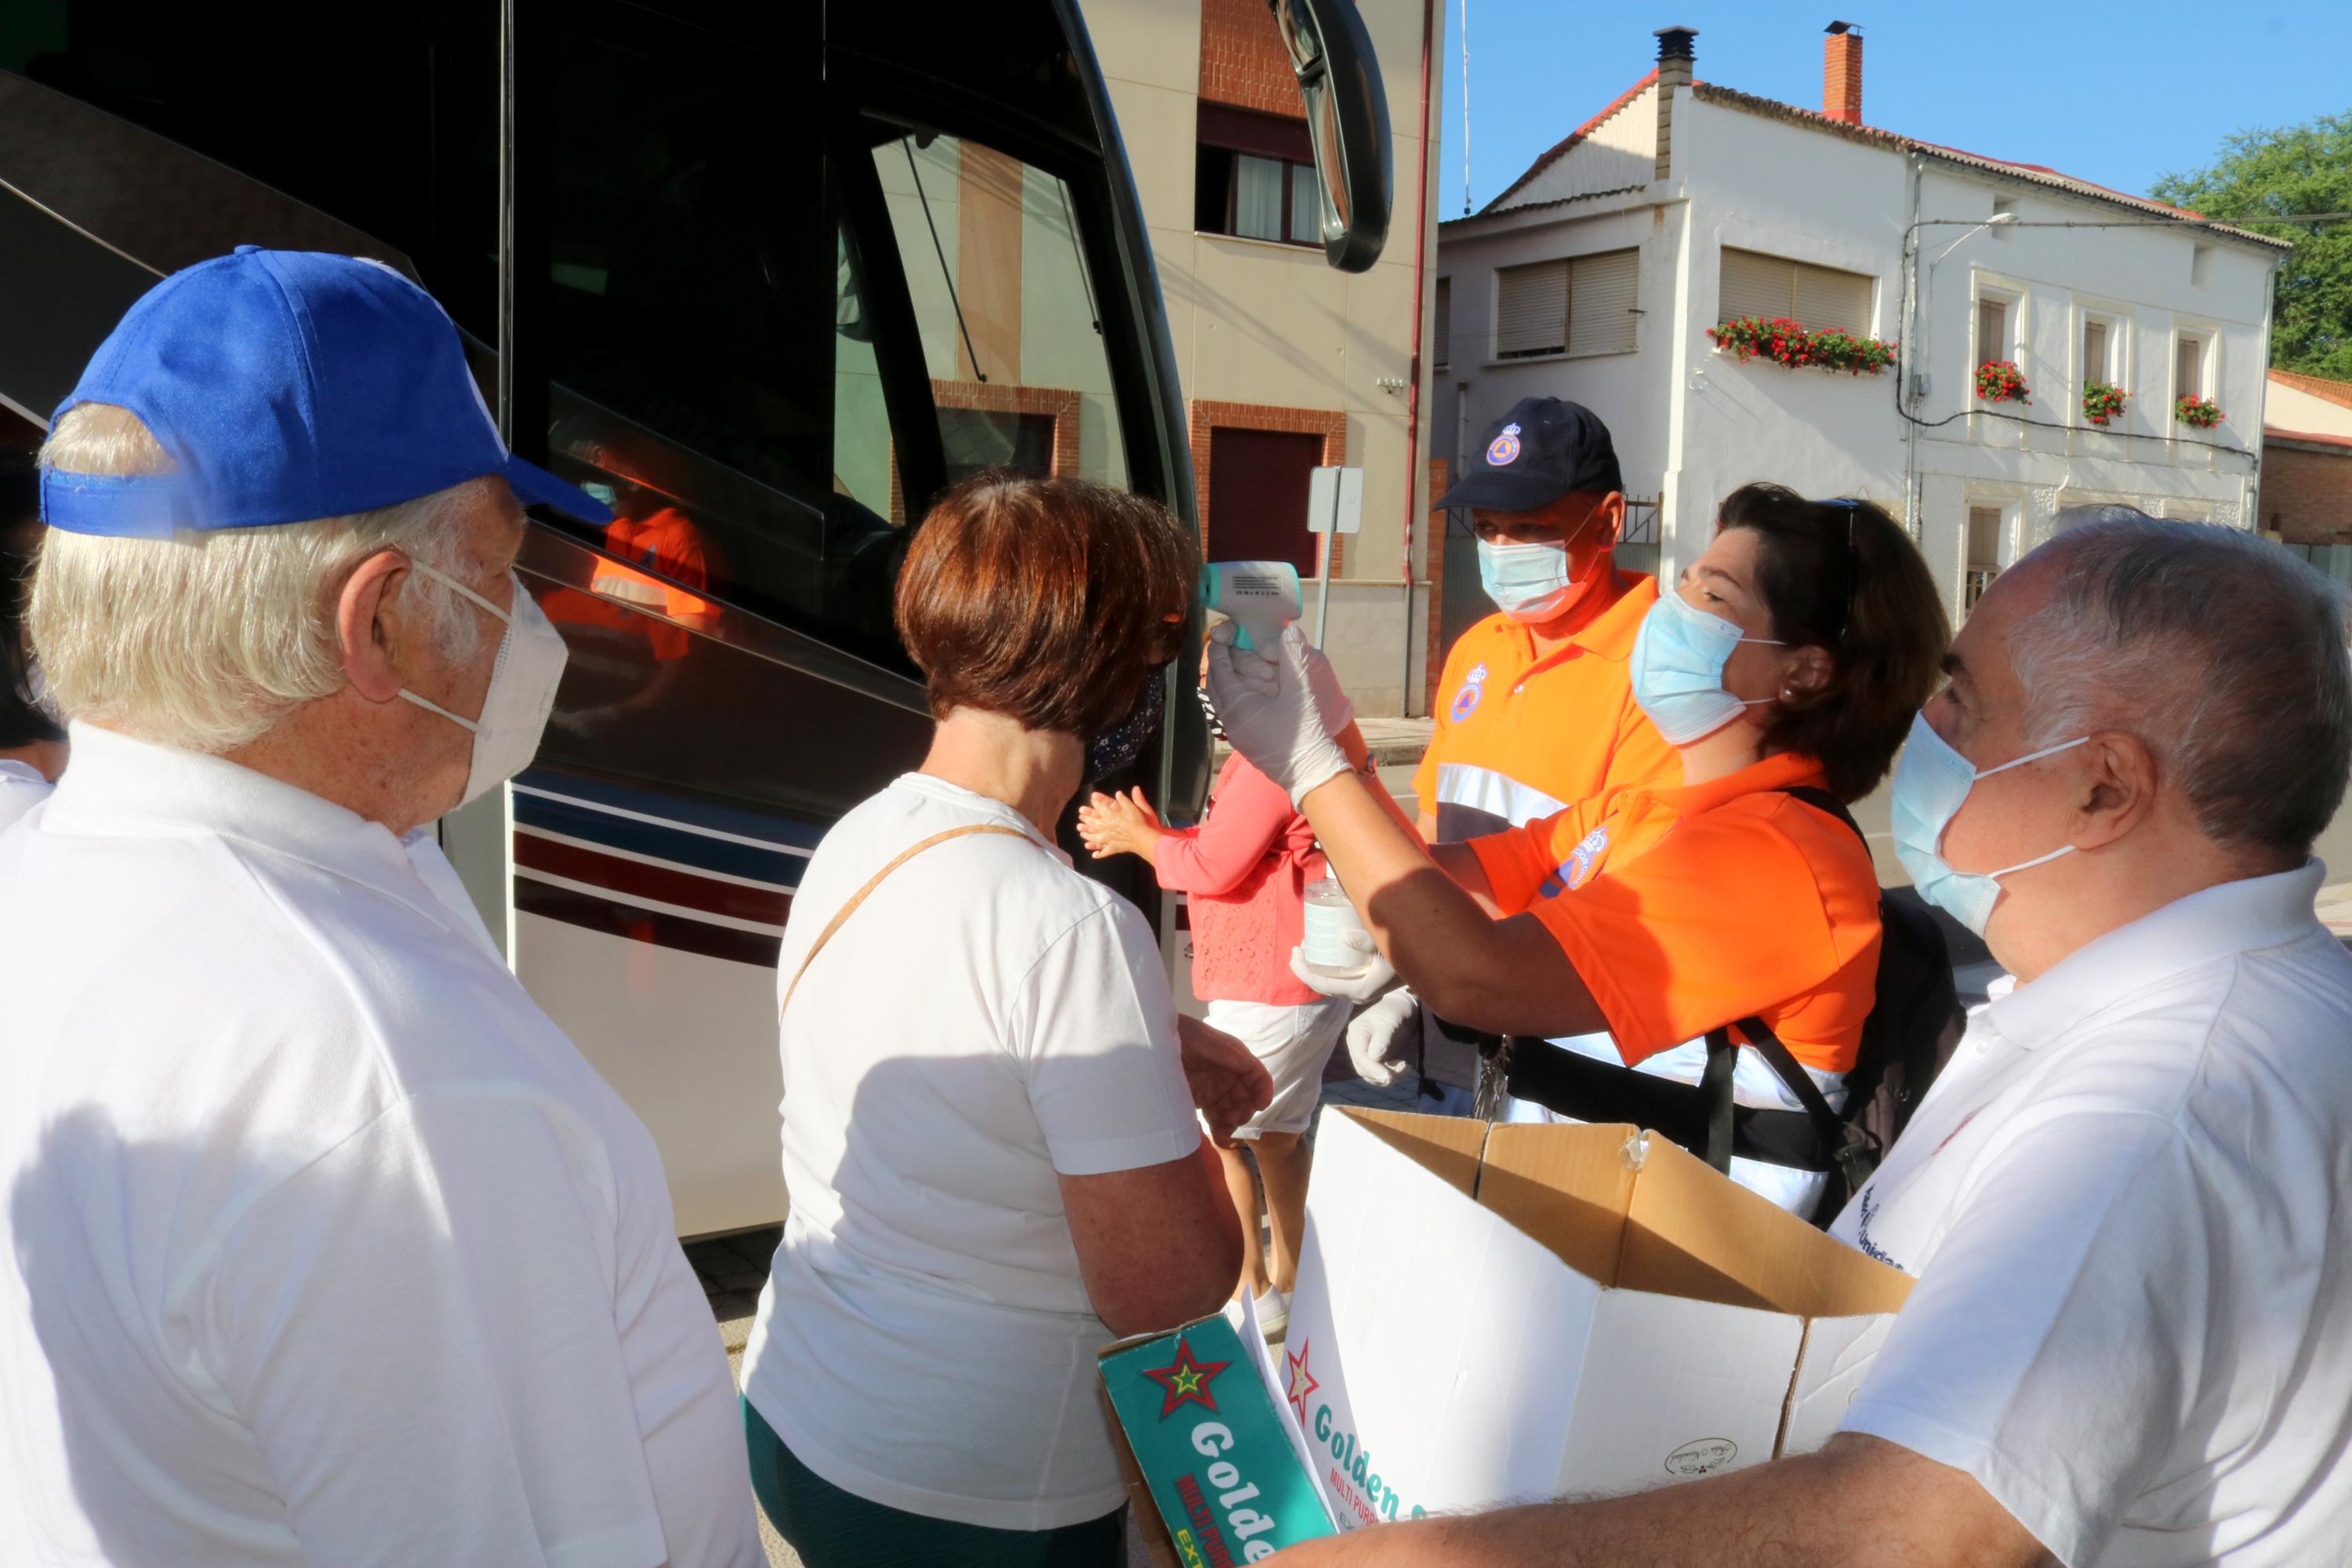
<point x="1214" y="1467"/>
<point x="1510" y="1313"/>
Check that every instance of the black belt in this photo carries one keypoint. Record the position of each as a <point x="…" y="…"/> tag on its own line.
<point x="1577" y="1085"/>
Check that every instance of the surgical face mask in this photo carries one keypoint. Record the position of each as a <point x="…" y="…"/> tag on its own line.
<point x="1115" y="747"/>
<point x="1677" y="669"/>
<point x="531" y="661"/>
<point x="1931" y="781"/>
<point x="1530" y="582"/>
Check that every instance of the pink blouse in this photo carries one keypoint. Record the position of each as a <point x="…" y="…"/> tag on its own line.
<point x="1246" y="867"/>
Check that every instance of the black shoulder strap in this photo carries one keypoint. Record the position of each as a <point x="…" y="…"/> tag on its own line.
<point x="1717" y="1080"/>
<point x="1822" y="800"/>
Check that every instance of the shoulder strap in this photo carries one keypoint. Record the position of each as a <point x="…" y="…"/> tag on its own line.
<point x="1822" y="800"/>
<point x="841" y="915"/>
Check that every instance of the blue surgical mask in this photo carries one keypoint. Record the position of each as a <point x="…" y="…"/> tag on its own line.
<point x="1528" y="583"/>
<point x="1677" y="669"/>
<point x="1931" y="781"/>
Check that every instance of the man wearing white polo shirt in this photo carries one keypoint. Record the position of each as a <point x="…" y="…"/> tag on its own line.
<point x="321" y="1244"/>
<point x="2125" y="1199"/>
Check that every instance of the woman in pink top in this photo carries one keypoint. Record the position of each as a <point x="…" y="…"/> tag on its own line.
<point x="1246" y="867"/>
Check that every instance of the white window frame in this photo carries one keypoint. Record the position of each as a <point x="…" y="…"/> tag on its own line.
<point x="2013" y="296"/>
<point x="2005" y="541"/>
<point x="2208" y="365"/>
<point x="2118" y="323"/>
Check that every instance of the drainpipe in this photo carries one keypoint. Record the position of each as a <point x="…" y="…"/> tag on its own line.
<point x="1914" y="357"/>
<point x="1420" y="241"/>
<point x="2253" y="487"/>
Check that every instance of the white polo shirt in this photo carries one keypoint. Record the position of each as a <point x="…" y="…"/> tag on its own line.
<point x="321" y="1244"/>
<point x="2127" y="1203"/>
<point x="22" y="787"/>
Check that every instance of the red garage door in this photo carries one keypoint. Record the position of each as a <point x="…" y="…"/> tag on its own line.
<point x="1257" y="495"/>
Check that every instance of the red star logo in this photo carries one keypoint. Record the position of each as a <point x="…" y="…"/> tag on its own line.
<point x="1302" y="1382"/>
<point x="1186" y="1380"/>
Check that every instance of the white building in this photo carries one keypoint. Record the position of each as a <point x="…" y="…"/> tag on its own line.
<point x="1597" y="275"/>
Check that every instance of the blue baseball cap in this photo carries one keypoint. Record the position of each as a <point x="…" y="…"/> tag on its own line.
<point x="289" y="386"/>
<point x="1544" y="448"/>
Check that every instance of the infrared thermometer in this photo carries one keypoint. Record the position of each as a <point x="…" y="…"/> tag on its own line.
<point x="1260" y="597"/>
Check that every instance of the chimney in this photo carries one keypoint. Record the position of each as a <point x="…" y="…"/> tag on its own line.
<point x="1676" y="59"/>
<point x="1841" y="73"/>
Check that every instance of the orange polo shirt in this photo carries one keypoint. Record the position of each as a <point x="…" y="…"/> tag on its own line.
<point x="666" y="542"/>
<point x="1688" y="908"/>
<point x="1518" y="737"/>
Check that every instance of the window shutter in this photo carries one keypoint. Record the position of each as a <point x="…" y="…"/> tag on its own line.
<point x="1531" y="310"/>
<point x="1992" y="330"/>
<point x="1984" y="537"/>
<point x="1757" y="285"/>
<point x="1305" y="205"/>
<point x="1441" y="330"/>
<point x="2188" y="380"/>
<point x="1826" y="297"/>
<point x="2095" y="351"/>
<point x="1601" y="304"/>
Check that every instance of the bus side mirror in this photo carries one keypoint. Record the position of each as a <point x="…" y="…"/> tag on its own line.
<point x="1347" y="121"/>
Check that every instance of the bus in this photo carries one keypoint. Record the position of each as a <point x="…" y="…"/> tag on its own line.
<point x="767" y="276"/>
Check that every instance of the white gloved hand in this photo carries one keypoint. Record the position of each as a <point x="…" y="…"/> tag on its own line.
<point x="1376" y="1038"/>
<point x="1331" y="703"/>
<point x="1363" y="981"/>
<point x="1268" y="707"/>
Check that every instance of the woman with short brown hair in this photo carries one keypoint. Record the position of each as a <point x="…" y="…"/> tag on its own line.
<point x="990" y="1140"/>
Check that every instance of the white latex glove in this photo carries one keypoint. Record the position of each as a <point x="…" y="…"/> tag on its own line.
<point x="1267" y="709"/>
<point x="1331" y="703"/>
<point x="1377" y="1037"/>
<point x="1365" y="981"/>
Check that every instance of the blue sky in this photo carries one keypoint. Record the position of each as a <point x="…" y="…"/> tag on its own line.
<point x="2120" y="92"/>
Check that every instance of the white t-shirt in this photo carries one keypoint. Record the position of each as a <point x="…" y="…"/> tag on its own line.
<point x="2127" y="1203"/>
<point x="323" y="1245"/>
<point x="987" y="1018"/>
<point x="22" y="787"/>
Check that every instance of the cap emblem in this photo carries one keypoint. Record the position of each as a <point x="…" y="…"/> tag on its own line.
<point x="1504" y="448"/>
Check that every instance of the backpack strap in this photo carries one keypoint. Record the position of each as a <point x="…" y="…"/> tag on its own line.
<point x="841" y="915"/>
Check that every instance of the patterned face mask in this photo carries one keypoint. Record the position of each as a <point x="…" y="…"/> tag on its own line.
<point x="1115" y="747"/>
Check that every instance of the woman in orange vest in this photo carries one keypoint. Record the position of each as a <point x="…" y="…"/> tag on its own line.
<point x="1786" y="663"/>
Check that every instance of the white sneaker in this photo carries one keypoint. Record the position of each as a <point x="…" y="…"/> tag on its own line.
<point x="1273" y="1312"/>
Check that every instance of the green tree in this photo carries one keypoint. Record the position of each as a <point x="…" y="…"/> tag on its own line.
<point x="2299" y="169"/>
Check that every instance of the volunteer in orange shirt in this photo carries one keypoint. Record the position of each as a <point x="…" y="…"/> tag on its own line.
<point x="1791" y="656"/>
<point x="1534" y="713"/>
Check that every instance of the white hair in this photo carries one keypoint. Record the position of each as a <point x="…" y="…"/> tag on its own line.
<point x="2221" y="652"/>
<point x="206" y="640"/>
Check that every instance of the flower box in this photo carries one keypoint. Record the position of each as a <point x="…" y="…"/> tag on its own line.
<point x="2102" y="402"/>
<point x="1999" y="380"/>
<point x="2199" y="413"/>
<point x="1790" y="343"/>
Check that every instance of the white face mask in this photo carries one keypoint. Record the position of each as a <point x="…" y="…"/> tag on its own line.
<point x="531" y="661"/>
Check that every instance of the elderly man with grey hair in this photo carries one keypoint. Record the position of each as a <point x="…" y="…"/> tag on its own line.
<point x="2124" y="1200"/>
<point x="321" y="1244"/>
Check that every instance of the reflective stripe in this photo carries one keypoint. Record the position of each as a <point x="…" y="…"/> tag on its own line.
<point x="1483" y="789"/>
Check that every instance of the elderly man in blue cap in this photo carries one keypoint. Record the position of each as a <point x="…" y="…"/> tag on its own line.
<point x="322" y="1244"/>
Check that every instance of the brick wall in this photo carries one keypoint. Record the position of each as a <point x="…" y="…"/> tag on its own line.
<point x="1243" y="62"/>
<point x="1206" y="415"/>
<point x="996" y="397"/>
<point x="2306" y="495"/>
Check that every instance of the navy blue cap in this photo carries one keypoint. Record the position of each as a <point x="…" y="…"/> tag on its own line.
<point x="1544" y="448"/>
<point x="289" y="386"/>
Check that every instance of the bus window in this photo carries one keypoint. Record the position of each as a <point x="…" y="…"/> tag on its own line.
<point x="689" y="235"/>
<point x="1005" y="307"/>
